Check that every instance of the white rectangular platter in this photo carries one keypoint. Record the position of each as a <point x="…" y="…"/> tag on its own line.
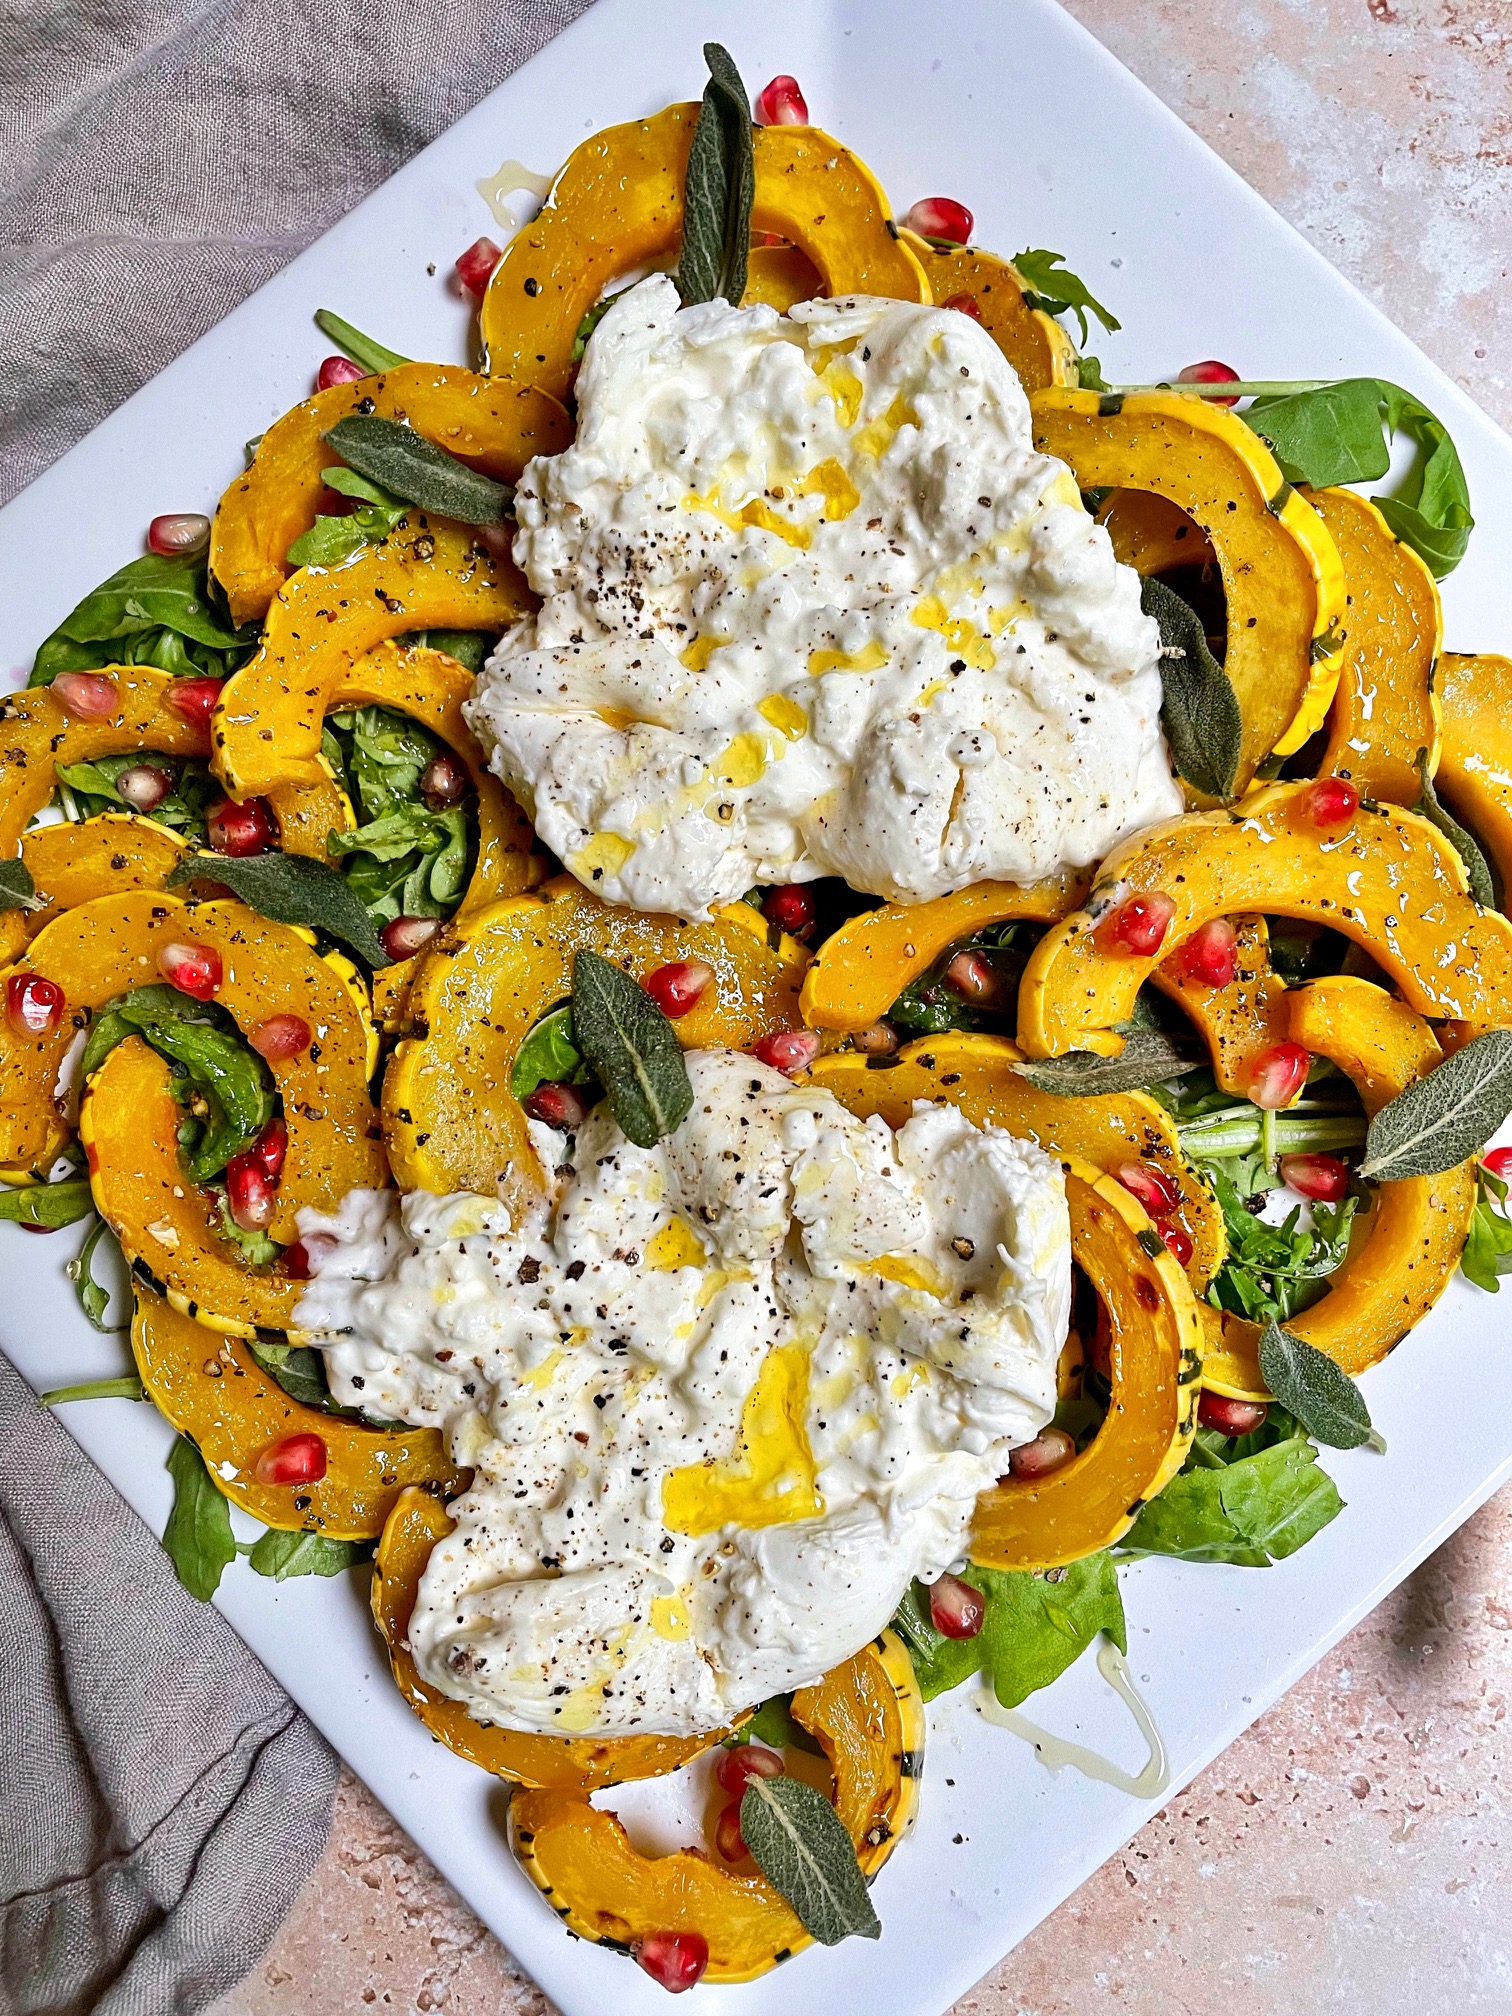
<point x="1010" y="106"/>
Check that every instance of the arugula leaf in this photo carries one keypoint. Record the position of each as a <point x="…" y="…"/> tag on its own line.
<point x="1488" y="1249"/>
<point x="631" y="1047"/>
<point x="775" y="1725"/>
<point x="1199" y="709"/>
<point x="1318" y="1392"/>
<point x="281" y="1556"/>
<point x="1036" y="1625"/>
<point x="197" y="1538"/>
<point x="1090" y="378"/>
<point x="719" y="189"/>
<point x="94" y="1299"/>
<point x="1056" y="290"/>
<point x="330" y="540"/>
<point x="363" y="350"/>
<point x="17" y="889"/>
<point x="468" y="647"/>
<point x="1249" y="1513"/>
<point x="803" y="1850"/>
<point x="51" y="1204"/>
<point x="130" y="618"/>
<point x="292" y="889"/>
<point x="1477" y="870"/>
<point x="548" y="1056"/>
<point x="127" y="1387"/>
<point x="299" y="1370"/>
<point x="415" y="469"/>
<point x="591" y="321"/>
<point x="1445" y="1117"/>
<point x="1273" y="1271"/>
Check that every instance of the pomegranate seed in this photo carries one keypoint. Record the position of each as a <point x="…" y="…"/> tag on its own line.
<point x="195" y="699"/>
<point x="941" y="217"/>
<point x="676" y="1960"/>
<point x="87" y="695"/>
<point x="728" y="1838"/>
<point x="677" y="987"/>
<point x="1330" y="804"/>
<point x="444" y="781"/>
<point x="791" y="909"/>
<point x="737" y="1767"/>
<point x="1322" y="1177"/>
<point x="1138" y="925"/>
<point x="1209" y="372"/>
<point x="965" y="304"/>
<point x="298" y="1459"/>
<point x="144" y="786"/>
<point x="781" y="103"/>
<point x="179" y="532"/>
<point x="193" y="969"/>
<point x="249" y="1192"/>
<point x="955" y="1608"/>
<point x="878" y="1039"/>
<point x="1150" y="1185"/>
<point x="974" y="978"/>
<point x="281" y="1036"/>
<point x="1278" y="1075"/>
<point x="1178" y="1242"/>
<point x="338" y="371"/>
<point x="303" y="1258"/>
<point x="1499" y="1162"/>
<point x="788" y="1050"/>
<point x="270" y="1148"/>
<point x="243" y="829"/>
<point x="1050" y="1450"/>
<point x="476" y="265"/>
<point x="557" y="1105"/>
<point x="33" y="1006"/>
<point x="1230" y="1417"/>
<point x="1211" y="954"/>
<point x="408" y="935"/>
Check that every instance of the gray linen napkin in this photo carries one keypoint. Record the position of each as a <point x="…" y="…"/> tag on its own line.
<point x="161" y="1801"/>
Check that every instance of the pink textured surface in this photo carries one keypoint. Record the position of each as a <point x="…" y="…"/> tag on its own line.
<point x="1352" y="1851"/>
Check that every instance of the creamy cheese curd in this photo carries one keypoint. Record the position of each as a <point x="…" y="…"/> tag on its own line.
<point x="813" y="605"/>
<point x="724" y="1398"/>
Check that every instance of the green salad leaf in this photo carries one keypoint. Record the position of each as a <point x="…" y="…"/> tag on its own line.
<point x="548" y="1056"/>
<point x="197" y="1538"/>
<point x="1249" y="1510"/>
<point x="51" y="1204"/>
<point x="94" y="1297"/>
<point x="281" y="1555"/>
<point x="153" y="611"/>
<point x="1036" y="1625"/>
<point x="127" y="1387"/>
<point x="1275" y="1271"/>
<point x="1057" y="290"/>
<point x="330" y="540"/>
<point x="93" y="788"/>
<point x="406" y="858"/>
<point x="1464" y="843"/>
<point x="775" y="1725"/>
<point x="468" y="647"/>
<point x="363" y="350"/>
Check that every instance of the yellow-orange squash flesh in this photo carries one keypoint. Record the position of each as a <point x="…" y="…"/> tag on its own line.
<point x="428" y="574"/>
<point x="217" y="1394"/>
<point x="1385" y="710"/>
<point x="780" y="275"/>
<point x="864" y="1714"/>
<point x="76" y="860"/>
<point x="976" y="1073"/>
<point x="1281" y="572"/>
<point x="1034" y="343"/>
<point x="617" y="206"/>
<point x="861" y="969"/>
<point x="1475" y="762"/>
<point x="1389" y="881"/>
<point x="1418" y="1225"/>
<point x="1240" y="1021"/>
<point x="449" y="1118"/>
<point x="487" y="423"/>
<point x="569" y="1763"/>
<point x="1151" y="534"/>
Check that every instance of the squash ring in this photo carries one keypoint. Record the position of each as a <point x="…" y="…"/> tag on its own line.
<point x="1034" y="343"/>
<point x="1475" y="764"/>
<point x="1240" y="1021"/>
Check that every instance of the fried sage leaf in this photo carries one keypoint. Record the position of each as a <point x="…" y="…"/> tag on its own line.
<point x="292" y="889"/>
<point x="1199" y="708"/>
<point x="406" y="465"/>
<point x="631" y="1048"/>
<point x="1320" y="1393"/>
<point x="1446" y="1117"/>
<point x="719" y="190"/>
<point x="803" y="1850"/>
<point x="1148" y="1057"/>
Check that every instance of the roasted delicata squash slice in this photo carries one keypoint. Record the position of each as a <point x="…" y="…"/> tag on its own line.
<point x="1418" y="1225"/>
<point x="1240" y="1021"/>
<point x="428" y="574"/>
<point x="1281" y="571"/>
<point x="1389" y="880"/>
<point x="223" y="1400"/>
<point x="1385" y="712"/>
<point x="74" y="861"/>
<point x="566" y="1763"/>
<point x="976" y="1073"/>
<point x="861" y="969"/>
<point x="1152" y="534"/>
<point x="489" y="424"/>
<point x="1034" y="343"/>
<point x="780" y="275"/>
<point x="449" y="1118"/>
<point x="616" y="207"/>
<point x="869" y="1719"/>
<point x="1475" y="765"/>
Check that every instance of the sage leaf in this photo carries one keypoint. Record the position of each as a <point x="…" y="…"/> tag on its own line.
<point x="292" y="889"/>
<point x="719" y="190"/>
<point x="1446" y="1117"/>
<point x="127" y="1387"/>
<point x="631" y="1048"/>
<point x="1477" y="870"/>
<point x="49" y="1204"/>
<point x="94" y="1298"/>
<point x="363" y="350"/>
<point x="197" y="1538"/>
<point x="1320" y="1393"/>
<point x="1147" y="1058"/>
<point x="17" y="889"/>
<point x="281" y="1556"/>
<point x="803" y="1850"/>
<point x="409" y="466"/>
<point x="1057" y="290"/>
<point x="1199" y="708"/>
